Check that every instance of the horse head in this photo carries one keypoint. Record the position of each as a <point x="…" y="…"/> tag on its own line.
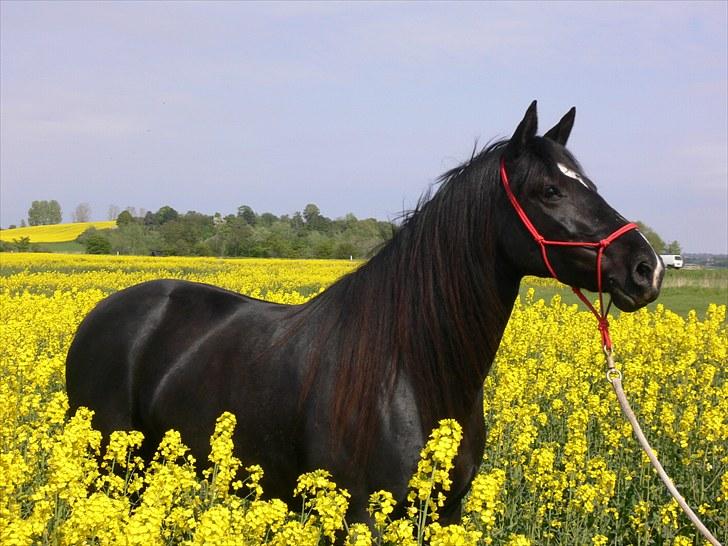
<point x="574" y="234"/>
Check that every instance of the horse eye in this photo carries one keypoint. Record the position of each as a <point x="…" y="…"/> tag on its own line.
<point x="551" y="191"/>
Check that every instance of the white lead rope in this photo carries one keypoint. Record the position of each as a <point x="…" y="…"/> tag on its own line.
<point x="615" y="378"/>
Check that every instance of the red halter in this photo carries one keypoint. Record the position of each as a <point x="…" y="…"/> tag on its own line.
<point x="601" y="315"/>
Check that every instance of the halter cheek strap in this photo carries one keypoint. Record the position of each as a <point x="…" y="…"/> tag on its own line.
<point x="600" y="315"/>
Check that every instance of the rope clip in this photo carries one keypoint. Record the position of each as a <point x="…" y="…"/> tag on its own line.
<point x="613" y="374"/>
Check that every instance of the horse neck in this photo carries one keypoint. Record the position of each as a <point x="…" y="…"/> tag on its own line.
<point x="430" y="307"/>
<point x="452" y="317"/>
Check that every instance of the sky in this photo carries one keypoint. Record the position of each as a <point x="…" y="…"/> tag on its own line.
<point x="357" y="107"/>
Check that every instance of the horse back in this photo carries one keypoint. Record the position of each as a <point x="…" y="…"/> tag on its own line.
<point x="175" y="354"/>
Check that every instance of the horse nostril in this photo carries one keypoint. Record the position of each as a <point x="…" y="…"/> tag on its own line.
<point x="643" y="273"/>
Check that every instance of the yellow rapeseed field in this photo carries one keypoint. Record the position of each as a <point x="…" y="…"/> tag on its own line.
<point x="55" y="233"/>
<point x="560" y="464"/>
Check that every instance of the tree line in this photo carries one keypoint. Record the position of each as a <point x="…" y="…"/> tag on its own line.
<point x="305" y="234"/>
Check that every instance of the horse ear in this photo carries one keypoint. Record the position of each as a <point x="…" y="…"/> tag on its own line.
<point x="561" y="131"/>
<point x="525" y="131"/>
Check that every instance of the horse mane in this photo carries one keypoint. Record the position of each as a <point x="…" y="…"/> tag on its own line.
<point x="423" y="306"/>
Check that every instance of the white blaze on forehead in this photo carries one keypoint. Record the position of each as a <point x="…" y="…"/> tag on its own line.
<point x="572" y="174"/>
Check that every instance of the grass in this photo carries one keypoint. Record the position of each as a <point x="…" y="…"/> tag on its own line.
<point x="66" y="247"/>
<point x="701" y="278"/>
<point x="682" y="290"/>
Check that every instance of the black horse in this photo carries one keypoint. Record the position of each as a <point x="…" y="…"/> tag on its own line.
<point x="354" y="380"/>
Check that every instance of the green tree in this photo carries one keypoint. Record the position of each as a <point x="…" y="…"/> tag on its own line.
<point x="22" y="244"/>
<point x="315" y="221"/>
<point x="55" y="216"/>
<point x="135" y="239"/>
<point x="89" y="232"/>
<point x="345" y="250"/>
<point x="232" y="238"/>
<point x="674" y="248"/>
<point x="186" y="235"/>
<point x="277" y="245"/>
<point x="247" y="215"/>
<point x="296" y="222"/>
<point x="42" y="213"/>
<point x="311" y="213"/>
<point x="97" y="244"/>
<point x="37" y="213"/>
<point x="267" y="219"/>
<point x="651" y="235"/>
<point x="150" y="219"/>
<point x="124" y="219"/>
<point x="165" y="214"/>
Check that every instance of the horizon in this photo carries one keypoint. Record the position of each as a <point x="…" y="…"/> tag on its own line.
<point x="71" y="222"/>
<point x="357" y="108"/>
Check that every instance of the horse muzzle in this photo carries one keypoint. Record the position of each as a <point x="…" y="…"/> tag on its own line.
<point x="641" y="284"/>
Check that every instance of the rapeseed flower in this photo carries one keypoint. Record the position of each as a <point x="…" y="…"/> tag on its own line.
<point x="559" y="464"/>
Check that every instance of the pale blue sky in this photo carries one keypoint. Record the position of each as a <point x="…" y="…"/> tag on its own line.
<point x="357" y="107"/>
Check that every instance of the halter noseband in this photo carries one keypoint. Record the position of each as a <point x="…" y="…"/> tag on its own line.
<point x="601" y="315"/>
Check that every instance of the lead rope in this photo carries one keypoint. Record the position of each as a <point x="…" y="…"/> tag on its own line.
<point x="614" y="376"/>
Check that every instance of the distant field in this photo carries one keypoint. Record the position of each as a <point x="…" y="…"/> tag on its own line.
<point x="57" y="233"/>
